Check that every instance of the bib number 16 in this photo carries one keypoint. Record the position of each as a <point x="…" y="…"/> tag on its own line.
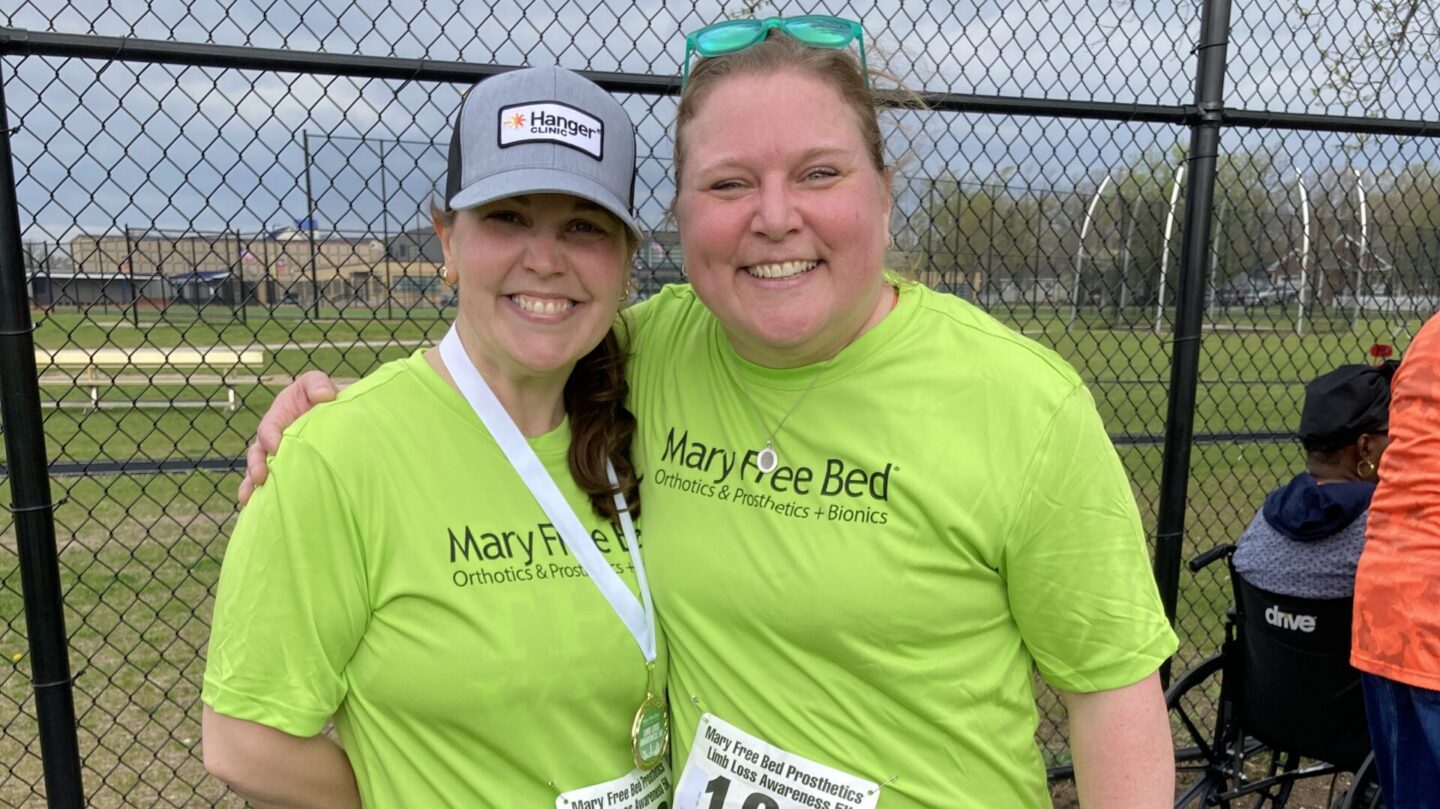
<point x="717" y="790"/>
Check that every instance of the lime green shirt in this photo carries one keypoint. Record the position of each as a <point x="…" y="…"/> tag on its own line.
<point x="396" y="574"/>
<point x="948" y="514"/>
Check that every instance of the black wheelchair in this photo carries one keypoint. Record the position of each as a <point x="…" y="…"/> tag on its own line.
<point x="1279" y="705"/>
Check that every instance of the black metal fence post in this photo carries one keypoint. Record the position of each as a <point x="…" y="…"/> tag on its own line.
<point x="31" y="504"/>
<point x="237" y="279"/>
<point x="130" y="265"/>
<point x="310" y="225"/>
<point x="1190" y="300"/>
<point x="385" y="257"/>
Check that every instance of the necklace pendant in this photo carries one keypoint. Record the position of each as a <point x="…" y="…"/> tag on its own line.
<point x="767" y="460"/>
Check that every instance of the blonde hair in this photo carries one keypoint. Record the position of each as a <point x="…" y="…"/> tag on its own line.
<point x="836" y="68"/>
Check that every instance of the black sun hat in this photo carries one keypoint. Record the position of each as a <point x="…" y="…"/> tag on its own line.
<point x="1344" y="404"/>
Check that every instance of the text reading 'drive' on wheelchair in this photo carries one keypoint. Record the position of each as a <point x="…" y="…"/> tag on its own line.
<point x="1280" y="704"/>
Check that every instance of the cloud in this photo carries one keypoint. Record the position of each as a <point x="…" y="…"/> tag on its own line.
<point x="210" y="148"/>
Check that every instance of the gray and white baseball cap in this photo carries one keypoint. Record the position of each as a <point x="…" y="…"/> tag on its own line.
<point x="542" y="130"/>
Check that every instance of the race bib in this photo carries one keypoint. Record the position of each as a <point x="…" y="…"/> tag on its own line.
<point x="730" y="769"/>
<point x="634" y="790"/>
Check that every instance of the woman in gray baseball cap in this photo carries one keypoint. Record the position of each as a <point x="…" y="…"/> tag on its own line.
<point x="443" y="563"/>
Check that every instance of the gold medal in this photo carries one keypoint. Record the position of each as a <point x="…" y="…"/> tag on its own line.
<point x="650" y="732"/>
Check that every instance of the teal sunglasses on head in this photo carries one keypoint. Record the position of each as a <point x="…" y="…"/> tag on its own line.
<point x="814" y="30"/>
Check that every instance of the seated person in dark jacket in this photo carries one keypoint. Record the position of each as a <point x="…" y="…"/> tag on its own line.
<point x="1307" y="538"/>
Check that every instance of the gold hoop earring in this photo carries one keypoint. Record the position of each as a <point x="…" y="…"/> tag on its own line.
<point x="1365" y="468"/>
<point x="446" y="275"/>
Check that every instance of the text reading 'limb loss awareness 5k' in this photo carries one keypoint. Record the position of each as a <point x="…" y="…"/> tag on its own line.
<point x="831" y="490"/>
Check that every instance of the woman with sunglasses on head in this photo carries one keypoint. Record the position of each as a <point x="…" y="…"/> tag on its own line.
<point x="443" y="562"/>
<point x="873" y="510"/>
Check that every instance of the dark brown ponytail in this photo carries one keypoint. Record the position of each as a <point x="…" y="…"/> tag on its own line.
<point x="601" y="426"/>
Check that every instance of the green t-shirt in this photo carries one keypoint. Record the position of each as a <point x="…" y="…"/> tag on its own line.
<point x="395" y="573"/>
<point x="948" y="513"/>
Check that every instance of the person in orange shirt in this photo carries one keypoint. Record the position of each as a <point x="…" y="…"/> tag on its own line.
<point x="1396" y="632"/>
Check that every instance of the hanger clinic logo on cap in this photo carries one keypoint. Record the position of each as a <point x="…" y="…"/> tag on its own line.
<point x="552" y="122"/>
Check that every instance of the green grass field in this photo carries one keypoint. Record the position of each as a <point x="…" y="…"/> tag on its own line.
<point x="140" y="553"/>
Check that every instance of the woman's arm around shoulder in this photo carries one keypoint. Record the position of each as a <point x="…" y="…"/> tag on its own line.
<point x="275" y="770"/>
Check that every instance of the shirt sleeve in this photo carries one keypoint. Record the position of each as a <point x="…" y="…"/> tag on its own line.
<point x="1078" y="573"/>
<point x="292" y="601"/>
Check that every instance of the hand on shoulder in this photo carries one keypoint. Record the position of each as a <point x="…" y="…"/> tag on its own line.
<point x="297" y="399"/>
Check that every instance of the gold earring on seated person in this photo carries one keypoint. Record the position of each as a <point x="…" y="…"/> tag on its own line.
<point x="446" y="275"/>
<point x="1365" y="468"/>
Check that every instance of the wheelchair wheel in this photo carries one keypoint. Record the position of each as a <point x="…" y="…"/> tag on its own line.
<point x="1196" y="722"/>
<point x="1215" y="764"/>
<point x="1364" y="792"/>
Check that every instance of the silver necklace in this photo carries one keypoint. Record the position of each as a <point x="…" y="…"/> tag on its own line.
<point x="766" y="459"/>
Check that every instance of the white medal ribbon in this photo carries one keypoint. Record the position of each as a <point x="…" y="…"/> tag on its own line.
<point x="638" y="618"/>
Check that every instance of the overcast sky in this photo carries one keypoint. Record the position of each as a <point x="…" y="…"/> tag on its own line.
<point x="104" y="146"/>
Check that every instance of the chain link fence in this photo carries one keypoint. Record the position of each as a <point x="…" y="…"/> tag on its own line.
<point x="216" y="195"/>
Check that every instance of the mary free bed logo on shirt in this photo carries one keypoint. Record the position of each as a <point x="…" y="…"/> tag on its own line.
<point x="552" y="122"/>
